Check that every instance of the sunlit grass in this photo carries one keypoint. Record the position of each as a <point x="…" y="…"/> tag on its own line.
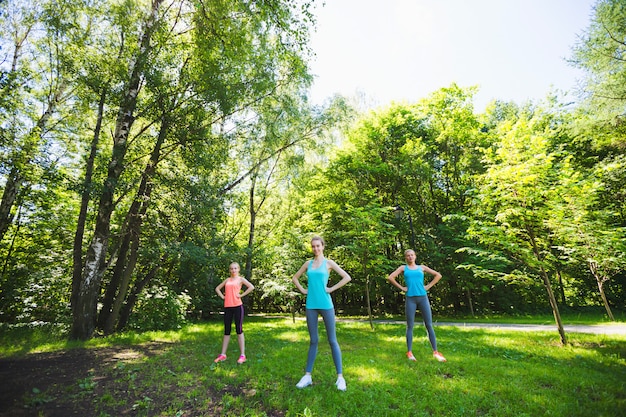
<point x="488" y="373"/>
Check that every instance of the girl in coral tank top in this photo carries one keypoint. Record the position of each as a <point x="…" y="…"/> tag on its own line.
<point x="233" y="309"/>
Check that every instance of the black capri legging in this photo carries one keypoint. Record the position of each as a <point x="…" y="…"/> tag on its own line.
<point x="229" y="314"/>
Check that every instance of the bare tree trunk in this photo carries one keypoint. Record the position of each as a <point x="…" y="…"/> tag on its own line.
<point x="605" y="301"/>
<point x="12" y="184"/>
<point x="367" y="291"/>
<point x="85" y="308"/>
<point x="469" y="301"/>
<point x="127" y="308"/>
<point x="125" y="266"/>
<point x="13" y="180"/>
<point x="546" y="283"/>
<point x="77" y="252"/>
<point x="12" y="244"/>
<point x="250" y="248"/>
<point x="555" y="306"/>
<point x="254" y="209"/>
<point x="561" y="287"/>
<point x="21" y="160"/>
<point x="593" y="267"/>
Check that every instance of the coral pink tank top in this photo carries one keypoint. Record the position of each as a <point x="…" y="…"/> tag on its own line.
<point x="232" y="287"/>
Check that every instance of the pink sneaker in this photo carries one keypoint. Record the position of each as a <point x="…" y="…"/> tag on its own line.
<point x="241" y="359"/>
<point x="410" y="356"/>
<point x="439" y="356"/>
<point x="220" y="358"/>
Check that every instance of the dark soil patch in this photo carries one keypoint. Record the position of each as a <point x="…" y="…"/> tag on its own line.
<point x="101" y="382"/>
<point x="63" y="383"/>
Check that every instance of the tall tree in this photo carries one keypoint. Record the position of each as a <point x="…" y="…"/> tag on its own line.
<point x="511" y="207"/>
<point x="33" y="80"/>
<point x="588" y="230"/>
<point x="232" y="55"/>
<point x="85" y="304"/>
<point x="600" y="52"/>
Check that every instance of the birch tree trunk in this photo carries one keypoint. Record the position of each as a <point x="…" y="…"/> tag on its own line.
<point x="84" y="310"/>
<point x="77" y="252"/>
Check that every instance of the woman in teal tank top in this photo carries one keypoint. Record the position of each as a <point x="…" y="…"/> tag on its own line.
<point x="417" y="298"/>
<point x="319" y="302"/>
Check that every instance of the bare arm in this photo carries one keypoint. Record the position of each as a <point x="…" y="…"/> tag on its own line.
<point x="249" y="288"/>
<point x="434" y="280"/>
<point x="392" y="278"/>
<point x="296" y="281"/>
<point x="345" y="277"/>
<point x="218" y="289"/>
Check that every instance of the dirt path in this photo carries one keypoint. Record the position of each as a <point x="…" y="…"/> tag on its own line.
<point x="606" y="328"/>
<point x="610" y="328"/>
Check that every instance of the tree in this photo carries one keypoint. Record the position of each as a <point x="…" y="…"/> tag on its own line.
<point x="229" y="55"/>
<point x="600" y="52"/>
<point x="85" y="303"/>
<point x="588" y="229"/>
<point x="511" y="208"/>
<point x="364" y="241"/>
<point x="24" y="125"/>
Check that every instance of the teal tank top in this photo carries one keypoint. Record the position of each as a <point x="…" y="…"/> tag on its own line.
<point x="414" y="281"/>
<point x="317" y="297"/>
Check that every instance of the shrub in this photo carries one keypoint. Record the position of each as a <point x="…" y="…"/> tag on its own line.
<point x="160" y="308"/>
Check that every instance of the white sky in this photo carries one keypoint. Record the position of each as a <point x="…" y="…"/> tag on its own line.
<point x="403" y="50"/>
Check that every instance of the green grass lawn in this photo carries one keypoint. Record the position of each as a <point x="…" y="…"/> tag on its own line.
<point x="488" y="373"/>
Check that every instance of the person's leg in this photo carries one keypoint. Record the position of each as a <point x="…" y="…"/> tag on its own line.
<point x="311" y="323"/>
<point x="228" y="324"/>
<point x="225" y="344"/>
<point x="331" y="333"/>
<point x="228" y="321"/>
<point x="410" y="308"/>
<point x="239" y="329"/>
<point x="427" y="315"/>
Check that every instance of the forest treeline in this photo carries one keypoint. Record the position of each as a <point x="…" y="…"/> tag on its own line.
<point x="145" y="145"/>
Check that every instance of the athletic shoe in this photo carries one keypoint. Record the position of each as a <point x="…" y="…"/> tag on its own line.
<point x="439" y="356"/>
<point x="305" y="381"/>
<point x="410" y="356"/>
<point x="241" y="359"/>
<point x="220" y="358"/>
<point x="341" y="384"/>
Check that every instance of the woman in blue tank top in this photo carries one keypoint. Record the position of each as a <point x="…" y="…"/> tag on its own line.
<point x="318" y="302"/>
<point x="417" y="298"/>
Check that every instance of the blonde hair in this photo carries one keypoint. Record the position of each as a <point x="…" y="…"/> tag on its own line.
<point x="406" y="252"/>
<point x="314" y="238"/>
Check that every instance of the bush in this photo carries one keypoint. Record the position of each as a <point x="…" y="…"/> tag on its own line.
<point x="160" y="308"/>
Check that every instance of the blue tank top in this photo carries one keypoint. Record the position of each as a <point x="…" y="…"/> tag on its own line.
<point x="317" y="297"/>
<point x="414" y="281"/>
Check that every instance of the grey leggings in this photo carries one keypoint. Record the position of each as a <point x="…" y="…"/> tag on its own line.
<point x="412" y="304"/>
<point x="329" y="323"/>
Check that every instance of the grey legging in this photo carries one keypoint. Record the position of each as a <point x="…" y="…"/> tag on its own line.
<point x="412" y="304"/>
<point x="329" y="323"/>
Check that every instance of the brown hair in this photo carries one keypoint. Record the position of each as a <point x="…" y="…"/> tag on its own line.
<point x="318" y="238"/>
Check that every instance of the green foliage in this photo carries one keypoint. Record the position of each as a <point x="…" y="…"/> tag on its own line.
<point x="600" y="52"/>
<point x="160" y="308"/>
<point x="225" y="160"/>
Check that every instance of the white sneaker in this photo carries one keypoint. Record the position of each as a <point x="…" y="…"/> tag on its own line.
<point x="341" y="384"/>
<point x="305" y="381"/>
